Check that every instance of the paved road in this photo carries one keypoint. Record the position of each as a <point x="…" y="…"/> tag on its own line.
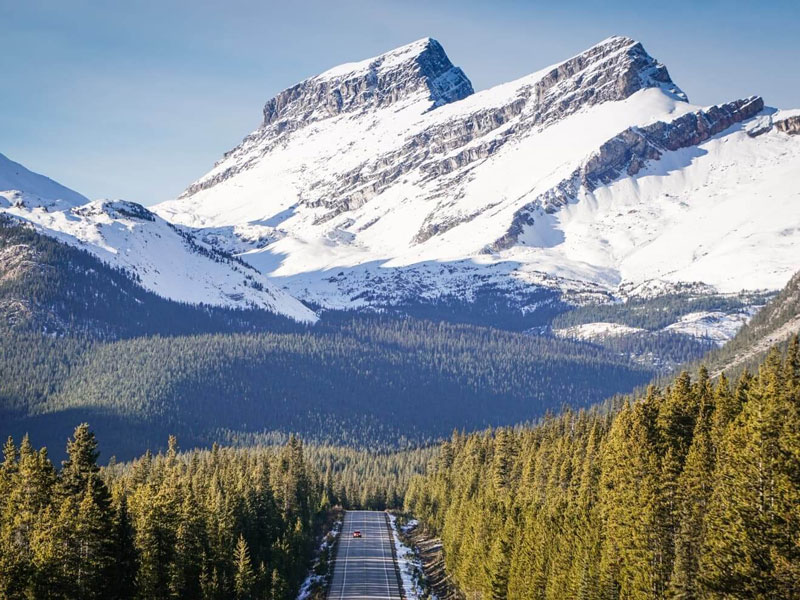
<point x="364" y="566"/>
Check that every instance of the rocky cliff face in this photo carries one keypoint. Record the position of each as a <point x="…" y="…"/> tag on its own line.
<point x="419" y="72"/>
<point x="790" y="125"/>
<point x="419" y="68"/>
<point x="611" y="71"/>
<point x="628" y="153"/>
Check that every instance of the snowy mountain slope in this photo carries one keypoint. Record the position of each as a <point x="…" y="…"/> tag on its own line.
<point x="162" y="258"/>
<point x="15" y="177"/>
<point x="389" y="181"/>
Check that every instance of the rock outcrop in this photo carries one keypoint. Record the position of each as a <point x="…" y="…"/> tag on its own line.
<point x="418" y="72"/>
<point x="627" y="153"/>
<point x="419" y="67"/>
<point x="360" y="175"/>
<point x="790" y="125"/>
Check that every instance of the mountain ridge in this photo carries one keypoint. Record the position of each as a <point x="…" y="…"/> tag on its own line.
<point x="389" y="184"/>
<point x="157" y="255"/>
<point x="513" y="192"/>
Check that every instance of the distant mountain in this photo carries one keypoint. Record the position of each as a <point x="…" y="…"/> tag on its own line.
<point x="49" y="287"/>
<point x="165" y="259"/>
<point x="615" y="228"/>
<point x="390" y="183"/>
<point x="13" y="176"/>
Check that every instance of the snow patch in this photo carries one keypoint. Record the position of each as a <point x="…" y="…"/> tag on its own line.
<point x="596" y="331"/>
<point x="717" y="326"/>
<point x="410" y="565"/>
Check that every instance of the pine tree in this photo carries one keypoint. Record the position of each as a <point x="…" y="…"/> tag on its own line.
<point x="244" y="580"/>
<point x="186" y="567"/>
<point x="81" y="463"/>
<point x="93" y="565"/>
<point x="737" y="558"/>
<point x="786" y="553"/>
<point x="695" y="487"/>
<point x="280" y="588"/>
<point x="503" y="460"/>
<point x="125" y="563"/>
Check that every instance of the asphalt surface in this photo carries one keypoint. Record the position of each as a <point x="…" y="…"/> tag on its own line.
<point x="364" y="566"/>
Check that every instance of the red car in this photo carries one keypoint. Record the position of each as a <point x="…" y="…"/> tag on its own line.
<point x="356" y="533"/>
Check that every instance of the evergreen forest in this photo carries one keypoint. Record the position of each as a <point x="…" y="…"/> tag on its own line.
<point x="212" y="524"/>
<point x="691" y="491"/>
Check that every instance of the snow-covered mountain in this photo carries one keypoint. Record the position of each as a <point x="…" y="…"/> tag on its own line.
<point x="163" y="258"/>
<point x="389" y="181"/>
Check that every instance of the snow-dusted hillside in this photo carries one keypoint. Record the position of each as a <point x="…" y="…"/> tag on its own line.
<point x="164" y="258"/>
<point x="389" y="181"/>
<point x="13" y="176"/>
<point x="718" y="327"/>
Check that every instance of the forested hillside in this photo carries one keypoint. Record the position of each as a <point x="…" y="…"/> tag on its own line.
<point x="775" y="324"/>
<point x="365" y="479"/>
<point x="666" y="330"/>
<point x="373" y="382"/>
<point x="50" y="287"/>
<point x="215" y="525"/>
<point x="692" y="491"/>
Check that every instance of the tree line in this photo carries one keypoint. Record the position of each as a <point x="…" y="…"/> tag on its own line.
<point x="691" y="491"/>
<point x="216" y="524"/>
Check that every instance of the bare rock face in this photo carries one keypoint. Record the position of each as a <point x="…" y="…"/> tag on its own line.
<point x="790" y="125"/>
<point x="421" y="66"/>
<point x="627" y="153"/>
<point x="116" y="209"/>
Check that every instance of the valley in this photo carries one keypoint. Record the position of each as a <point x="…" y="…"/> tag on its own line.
<point x="549" y="327"/>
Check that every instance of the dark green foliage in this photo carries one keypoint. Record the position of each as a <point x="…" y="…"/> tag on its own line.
<point x="217" y="524"/>
<point x="692" y="491"/>
<point x="364" y="382"/>
<point x="367" y="479"/>
<point x="665" y="351"/>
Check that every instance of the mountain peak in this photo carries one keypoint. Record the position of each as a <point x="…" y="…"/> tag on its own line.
<point x="396" y="57"/>
<point x="635" y="68"/>
<point x="419" y="72"/>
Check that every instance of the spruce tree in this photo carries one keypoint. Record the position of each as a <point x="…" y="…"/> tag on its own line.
<point x="694" y="492"/>
<point x="81" y="463"/>
<point x="125" y="563"/>
<point x="94" y="535"/>
<point x="737" y="558"/>
<point x="244" y="579"/>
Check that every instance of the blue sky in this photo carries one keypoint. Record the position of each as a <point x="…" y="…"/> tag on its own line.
<point x="135" y="100"/>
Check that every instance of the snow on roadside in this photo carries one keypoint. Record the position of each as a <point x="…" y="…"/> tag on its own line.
<point x="409" y="526"/>
<point x="410" y="565"/>
<point x="312" y="580"/>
